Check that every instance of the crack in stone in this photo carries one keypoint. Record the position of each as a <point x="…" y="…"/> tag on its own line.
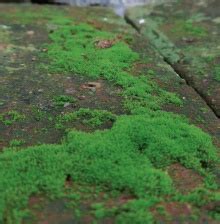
<point x="174" y="63"/>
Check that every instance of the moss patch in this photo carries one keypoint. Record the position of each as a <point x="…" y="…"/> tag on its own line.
<point x="11" y="117"/>
<point x="93" y="118"/>
<point x="188" y="28"/>
<point x="74" y="50"/>
<point x="61" y="100"/>
<point x="127" y="157"/>
<point x="27" y="15"/>
<point x="132" y="156"/>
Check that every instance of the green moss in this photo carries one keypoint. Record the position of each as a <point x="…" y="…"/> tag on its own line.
<point x="16" y="142"/>
<point x="8" y="118"/>
<point x="189" y="28"/>
<point x="99" y="210"/>
<point x="61" y="100"/>
<point x="217" y="73"/>
<point x="93" y="118"/>
<point x="200" y="197"/>
<point x="74" y="50"/>
<point x="5" y="34"/>
<point x="130" y="156"/>
<point x="38" y="113"/>
<point x="136" y="211"/>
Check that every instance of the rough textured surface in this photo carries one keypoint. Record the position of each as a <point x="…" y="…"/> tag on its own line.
<point x="120" y="156"/>
<point x="186" y="34"/>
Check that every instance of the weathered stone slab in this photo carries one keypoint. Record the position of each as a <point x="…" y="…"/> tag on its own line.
<point x="72" y="72"/>
<point x="187" y="35"/>
<point x="24" y="38"/>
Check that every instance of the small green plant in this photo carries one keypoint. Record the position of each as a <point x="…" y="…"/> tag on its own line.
<point x="38" y="114"/>
<point x="61" y="100"/>
<point x="93" y="118"/>
<point x="8" y="118"/>
<point x="99" y="210"/>
<point x="16" y="143"/>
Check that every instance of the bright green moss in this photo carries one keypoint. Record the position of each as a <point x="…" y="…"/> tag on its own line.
<point x="130" y="156"/>
<point x="99" y="210"/>
<point x="135" y="211"/>
<point x="74" y="50"/>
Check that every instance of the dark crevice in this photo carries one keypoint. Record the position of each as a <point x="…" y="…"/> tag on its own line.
<point x="189" y="82"/>
<point x="130" y="22"/>
<point x="47" y="2"/>
<point x="68" y="178"/>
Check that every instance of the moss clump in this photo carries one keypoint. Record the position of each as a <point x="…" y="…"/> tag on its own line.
<point x="8" y="118"/>
<point x="93" y="118"/>
<point x="74" y="50"/>
<point x="137" y="211"/>
<point x="131" y="156"/>
<point x="16" y="142"/>
<point x="61" y="100"/>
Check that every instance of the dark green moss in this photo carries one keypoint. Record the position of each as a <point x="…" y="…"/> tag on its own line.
<point x="130" y="157"/>
<point x="38" y="113"/>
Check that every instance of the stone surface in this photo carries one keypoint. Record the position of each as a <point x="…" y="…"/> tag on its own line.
<point x="187" y="35"/>
<point x="29" y="89"/>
